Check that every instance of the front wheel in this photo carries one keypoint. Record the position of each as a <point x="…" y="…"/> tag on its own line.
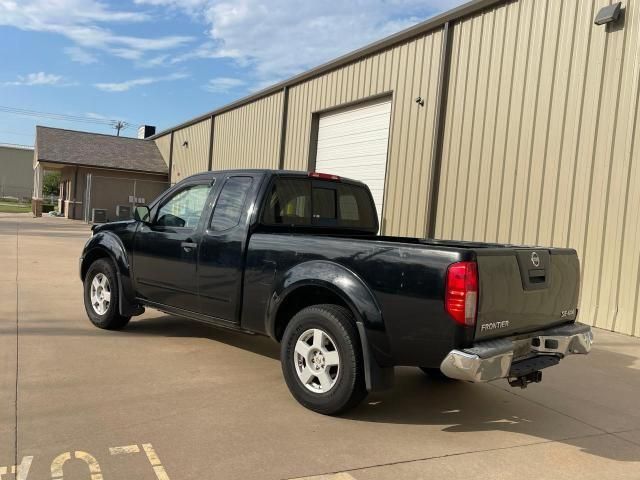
<point x="322" y="359"/>
<point x="101" y="296"/>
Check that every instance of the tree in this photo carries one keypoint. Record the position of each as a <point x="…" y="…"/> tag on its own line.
<point x="51" y="184"/>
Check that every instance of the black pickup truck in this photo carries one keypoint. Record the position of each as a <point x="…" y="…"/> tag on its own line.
<point x="296" y="256"/>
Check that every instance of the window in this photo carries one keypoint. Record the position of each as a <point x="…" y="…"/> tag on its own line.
<point x="289" y="203"/>
<point x="349" y="208"/>
<point x="301" y="202"/>
<point x="184" y="208"/>
<point x="229" y="207"/>
<point x="356" y="208"/>
<point x="324" y="204"/>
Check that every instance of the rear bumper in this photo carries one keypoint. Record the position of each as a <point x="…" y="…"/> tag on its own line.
<point x="510" y="357"/>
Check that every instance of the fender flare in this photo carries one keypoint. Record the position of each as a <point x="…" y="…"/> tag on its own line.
<point x="356" y="294"/>
<point x="331" y="276"/>
<point x="107" y="243"/>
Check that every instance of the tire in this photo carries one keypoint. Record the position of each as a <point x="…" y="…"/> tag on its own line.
<point x="339" y="386"/>
<point x="437" y="375"/>
<point x="101" y="286"/>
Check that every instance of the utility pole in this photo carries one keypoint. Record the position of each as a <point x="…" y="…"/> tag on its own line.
<point x="119" y="125"/>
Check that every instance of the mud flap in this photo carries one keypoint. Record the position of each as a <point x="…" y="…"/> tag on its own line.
<point x="377" y="378"/>
<point x="126" y="306"/>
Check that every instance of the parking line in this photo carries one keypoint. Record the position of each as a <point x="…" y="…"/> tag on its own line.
<point x="155" y="461"/>
<point x="124" y="450"/>
<point x="333" y="476"/>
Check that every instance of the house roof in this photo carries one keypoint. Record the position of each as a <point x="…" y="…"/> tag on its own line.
<point x="57" y="145"/>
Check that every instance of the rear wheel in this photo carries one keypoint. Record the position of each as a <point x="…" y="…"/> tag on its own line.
<point x="322" y="359"/>
<point x="101" y="296"/>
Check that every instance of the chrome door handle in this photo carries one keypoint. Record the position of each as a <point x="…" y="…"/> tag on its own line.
<point x="188" y="245"/>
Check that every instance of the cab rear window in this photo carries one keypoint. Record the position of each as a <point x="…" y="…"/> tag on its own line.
<point x="316" y="203"/>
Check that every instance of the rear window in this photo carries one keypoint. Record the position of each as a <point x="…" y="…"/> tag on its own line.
<point x="302" y="202"/>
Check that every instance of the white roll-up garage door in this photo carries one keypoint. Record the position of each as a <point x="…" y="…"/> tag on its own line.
<point x="353" y="143"/>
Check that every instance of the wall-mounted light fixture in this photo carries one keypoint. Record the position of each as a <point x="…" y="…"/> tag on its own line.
<point x="608" y="14"/>
<point x="185" y="144"/>
<point x="420" y="101"/>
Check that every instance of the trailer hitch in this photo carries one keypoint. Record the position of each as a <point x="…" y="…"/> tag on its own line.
<point x="524" y="380"/>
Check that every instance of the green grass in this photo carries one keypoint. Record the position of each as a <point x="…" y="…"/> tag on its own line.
<point x="14" y="208"/>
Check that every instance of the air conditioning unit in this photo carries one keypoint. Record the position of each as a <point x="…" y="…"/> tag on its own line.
<point x="98" y="215"/>
<point x="123" y="212"/>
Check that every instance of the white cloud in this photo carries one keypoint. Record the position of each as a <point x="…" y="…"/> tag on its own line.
<point x="80" y="55"/>
<point x="99" y="116"/>
<point x="80" y="21"/>
<point x="136" y="82"/>
<point x="39" y="78"/>
<point x="279" y="38"/>
<point x="223" y="84"/>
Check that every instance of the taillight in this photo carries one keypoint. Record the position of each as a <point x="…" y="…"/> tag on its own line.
<point x="324" y="176"/>
<point x="461" y="294"/>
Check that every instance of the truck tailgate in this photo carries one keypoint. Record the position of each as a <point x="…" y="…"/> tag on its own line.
<point x="525" y="289"/>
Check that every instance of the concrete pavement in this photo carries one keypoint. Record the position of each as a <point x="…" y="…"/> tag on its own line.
<point x="188" y="401"/>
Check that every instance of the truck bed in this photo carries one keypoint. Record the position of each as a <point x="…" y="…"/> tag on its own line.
<point x="407" y="276"/>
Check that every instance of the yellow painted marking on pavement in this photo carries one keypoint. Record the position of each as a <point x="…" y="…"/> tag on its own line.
<point x="60" y="460"/>
<point x="23" y="468"/>
<point x="336" y="476"/>
<point x="124" y="450"/>
<point x="151" y="454"/>
<point x="161" y="473"/>
<point x="90" y="460"/>
<point x="155" y="461"/>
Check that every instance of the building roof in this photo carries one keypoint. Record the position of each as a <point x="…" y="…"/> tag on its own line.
<point x="470" y="8"/>
<point x="57" y="145"/>
<point x="15" y="146"/>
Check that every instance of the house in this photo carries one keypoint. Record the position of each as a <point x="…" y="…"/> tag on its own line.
<point x="100" y="174"/>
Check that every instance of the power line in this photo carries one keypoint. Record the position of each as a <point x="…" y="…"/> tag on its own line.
<point x="7" y="132"/>
<point x="55" y="116"/>
<point x="63" y="117"/>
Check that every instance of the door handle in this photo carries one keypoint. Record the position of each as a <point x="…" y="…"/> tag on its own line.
<point x="188" y="245"/>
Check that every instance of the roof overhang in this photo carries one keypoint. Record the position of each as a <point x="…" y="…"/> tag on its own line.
<point x="55" y="165"/>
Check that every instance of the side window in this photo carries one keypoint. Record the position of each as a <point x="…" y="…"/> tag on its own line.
<point x="185" y="208"/>
<point x="289" y="203"/>
<point x="229" y="207"/>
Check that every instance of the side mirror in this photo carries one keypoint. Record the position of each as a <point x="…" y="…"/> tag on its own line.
<point x="142" y="214"/>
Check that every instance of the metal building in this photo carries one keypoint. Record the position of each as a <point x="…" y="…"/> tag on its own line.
<point x="509" y="121"/>
<point x="16" y="173"/>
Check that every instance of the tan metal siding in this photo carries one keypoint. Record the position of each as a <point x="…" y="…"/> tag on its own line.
<point x="193" y="158"/>
<point x="407" y="71"/>
<point x="249" y="136"/>
<point x="541" y="130"/>
<point x="16" y="172"/>
<point x="164" y="146"/>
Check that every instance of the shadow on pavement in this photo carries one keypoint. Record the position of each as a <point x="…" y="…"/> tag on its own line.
<point x="170" y="326"/>
<point x="462" y="407"/>
<point x="416" y="399"/>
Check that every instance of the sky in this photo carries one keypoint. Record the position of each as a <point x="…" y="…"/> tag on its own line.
<point x="162" y="62"/>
